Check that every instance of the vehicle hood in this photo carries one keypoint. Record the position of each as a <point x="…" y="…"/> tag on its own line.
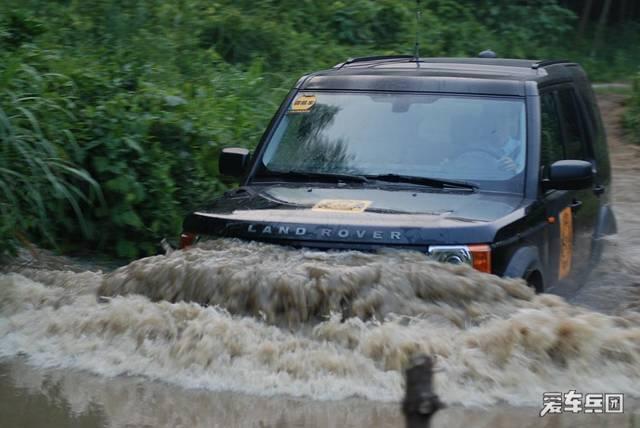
<point x="394" y="215"/>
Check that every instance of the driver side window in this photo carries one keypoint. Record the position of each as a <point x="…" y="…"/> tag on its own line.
<point x="551" y="149"/>
<point x="573" y="135"/>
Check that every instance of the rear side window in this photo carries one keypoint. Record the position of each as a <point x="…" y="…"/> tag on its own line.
<point x="551" y="138"/>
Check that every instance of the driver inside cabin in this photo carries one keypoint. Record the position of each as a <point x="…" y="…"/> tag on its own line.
<point x="507" y="141"/>
<point x="493" y="138"/>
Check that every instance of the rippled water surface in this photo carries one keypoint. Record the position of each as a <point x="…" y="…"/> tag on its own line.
<point x="247" y="334"/>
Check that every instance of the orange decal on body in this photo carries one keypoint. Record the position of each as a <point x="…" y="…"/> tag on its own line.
<point x="566" y="242"/>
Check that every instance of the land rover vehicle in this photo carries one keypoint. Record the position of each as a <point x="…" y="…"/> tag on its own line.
<point x="498" y="163"/>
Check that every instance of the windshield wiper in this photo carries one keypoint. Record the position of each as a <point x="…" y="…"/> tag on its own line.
<point x="323" y="176"/>
<point x="426" y="181"/>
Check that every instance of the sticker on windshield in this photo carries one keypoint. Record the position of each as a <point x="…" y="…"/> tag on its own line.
<point x="341" y="205"/>
<point x="303" y="103"/>
<point x="566" y="242"/>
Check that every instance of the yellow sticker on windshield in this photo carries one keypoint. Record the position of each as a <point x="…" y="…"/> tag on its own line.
<point x="566" y="242"/>
<point x="303" y="103"/>
<point x="341" y="205"/>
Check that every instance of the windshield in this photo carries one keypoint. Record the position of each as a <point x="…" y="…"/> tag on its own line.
<point x="475" y="139"/>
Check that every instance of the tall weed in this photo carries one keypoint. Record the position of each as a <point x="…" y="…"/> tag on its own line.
<point x="40" y="184"/>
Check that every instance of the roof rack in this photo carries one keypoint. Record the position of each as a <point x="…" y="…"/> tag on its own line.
<point x="547" y="62"/>
<point x="372" y="58"/>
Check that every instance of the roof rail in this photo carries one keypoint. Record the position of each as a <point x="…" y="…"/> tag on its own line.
<point x="547" y="62"/>
<point x="372" y="58"/>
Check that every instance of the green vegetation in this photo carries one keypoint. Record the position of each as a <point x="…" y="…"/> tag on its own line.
<point x="37" y="157"/>
<point x="631" y="119"/>
<point x="112" y="112"/>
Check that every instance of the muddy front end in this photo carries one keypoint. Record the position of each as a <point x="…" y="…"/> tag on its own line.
<point x="457" y="228"/>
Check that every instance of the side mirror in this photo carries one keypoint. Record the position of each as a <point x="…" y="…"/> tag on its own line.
<point x="569" y="175"/>
<point x="233" y="161"/>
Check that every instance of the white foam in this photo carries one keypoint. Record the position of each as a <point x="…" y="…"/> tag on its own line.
<point x="314" y="324"/>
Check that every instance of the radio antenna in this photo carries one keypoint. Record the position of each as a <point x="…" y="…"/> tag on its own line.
<point x="416" y="53"/>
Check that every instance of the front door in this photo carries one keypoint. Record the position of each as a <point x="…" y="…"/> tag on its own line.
<point x="571" y="214"/>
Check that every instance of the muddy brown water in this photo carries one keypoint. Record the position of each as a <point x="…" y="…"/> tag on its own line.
<point x="308" y="338"/>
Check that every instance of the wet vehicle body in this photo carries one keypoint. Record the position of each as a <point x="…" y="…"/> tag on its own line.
<point x="543" y="223"/>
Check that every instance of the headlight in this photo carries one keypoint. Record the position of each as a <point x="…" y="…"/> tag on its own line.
<point x="456" y="254"/>
<point x="477" y="256"/>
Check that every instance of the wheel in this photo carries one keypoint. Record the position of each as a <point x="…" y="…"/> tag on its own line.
<point x="534" y="280"/>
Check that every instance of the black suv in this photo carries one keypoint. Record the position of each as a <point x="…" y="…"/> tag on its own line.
<point x="498" y="163"/>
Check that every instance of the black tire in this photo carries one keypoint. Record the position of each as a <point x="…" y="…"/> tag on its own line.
<point x="535" y="280"/>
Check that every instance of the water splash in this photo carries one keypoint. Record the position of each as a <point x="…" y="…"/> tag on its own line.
<point x="269" y="320"/>
<point x="284" y="284"/>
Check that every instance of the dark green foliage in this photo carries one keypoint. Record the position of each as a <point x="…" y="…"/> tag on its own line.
<point x="19" y="27"/>
<point x="616" y="59"/>
<point x="632" y="115"/>
<point x="112" y="112"/>
<point x="526" y="29"/>
<point x="42" y="191"/>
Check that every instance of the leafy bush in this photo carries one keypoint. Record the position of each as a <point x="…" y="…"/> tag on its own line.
<point x="526" y="29"/>
<point x="39" y="181"/>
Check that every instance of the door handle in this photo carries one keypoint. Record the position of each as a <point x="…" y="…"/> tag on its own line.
<point x="599" y="189"/>
<point x="575" y="205"/>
